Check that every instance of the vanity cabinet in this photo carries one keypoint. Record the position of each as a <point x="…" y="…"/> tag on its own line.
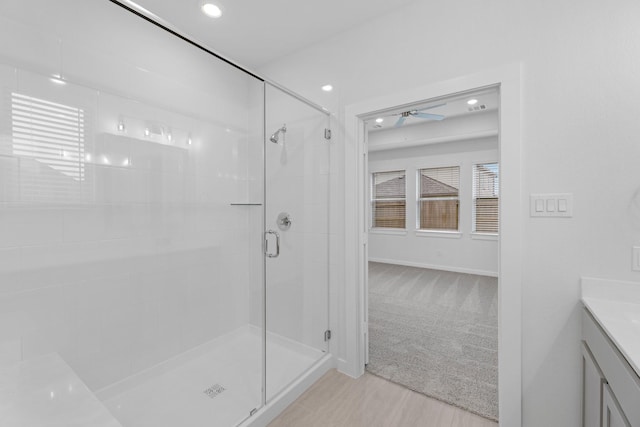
<point x="612" y="415"/>
<point x="592" y="391"/>
<point x="611" y="388"/>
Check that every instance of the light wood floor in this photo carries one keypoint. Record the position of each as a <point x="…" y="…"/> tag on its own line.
<point x="337" y="400"/>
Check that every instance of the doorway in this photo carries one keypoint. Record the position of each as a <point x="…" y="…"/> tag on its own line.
<point x="433" y="227"/>
<point x="507" y="78"/>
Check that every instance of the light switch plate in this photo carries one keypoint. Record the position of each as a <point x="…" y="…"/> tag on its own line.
<point x="558" y="205"/>
<point x="636" y="258"/>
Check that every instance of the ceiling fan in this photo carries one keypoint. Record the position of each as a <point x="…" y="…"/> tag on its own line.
<point x="418" y="113"/>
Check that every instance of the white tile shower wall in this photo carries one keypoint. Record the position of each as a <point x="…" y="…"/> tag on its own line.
<point x="143" y="258"/>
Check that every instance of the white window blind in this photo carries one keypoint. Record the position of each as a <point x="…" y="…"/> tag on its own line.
<point x="486" y="191"/>
<point x="388" y="199"/>
<point x="438" y="198"/>
<point x="49" y="133"/>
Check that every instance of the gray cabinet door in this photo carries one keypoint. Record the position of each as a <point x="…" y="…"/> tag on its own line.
<point x="612" y="415"/>
<point x="592" y="384"/>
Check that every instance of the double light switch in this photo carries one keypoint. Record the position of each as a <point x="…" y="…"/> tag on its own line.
<point x="552" y="205"/>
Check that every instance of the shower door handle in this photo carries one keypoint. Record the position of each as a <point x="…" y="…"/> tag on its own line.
<point x="266" y="243"/>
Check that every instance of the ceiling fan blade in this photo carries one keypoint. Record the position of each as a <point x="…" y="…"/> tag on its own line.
<point x="429" y="116"/>
<point x="400" y="121"/>
<point x="432" y="106"/>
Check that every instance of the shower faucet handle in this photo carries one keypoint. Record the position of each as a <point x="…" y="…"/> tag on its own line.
<point x="284" y="221"/>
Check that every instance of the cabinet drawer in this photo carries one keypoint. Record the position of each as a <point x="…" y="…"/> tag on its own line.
<point x="622" y="379"/>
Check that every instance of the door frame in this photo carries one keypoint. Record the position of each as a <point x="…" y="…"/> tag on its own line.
<point x="508" y="80"/>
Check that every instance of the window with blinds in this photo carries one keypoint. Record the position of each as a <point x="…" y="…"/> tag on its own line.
<point x="486" y="190"/>
<point x="438" y="198"/>
<point x="50" y="134"/>
<point x="388" y="199"/>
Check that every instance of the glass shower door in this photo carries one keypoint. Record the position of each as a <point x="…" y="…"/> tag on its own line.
<point x="131" y="227"/>
<point x="296" y="237"/>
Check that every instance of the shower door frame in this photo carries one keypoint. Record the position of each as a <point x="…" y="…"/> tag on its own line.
<point x="266" y="256"/>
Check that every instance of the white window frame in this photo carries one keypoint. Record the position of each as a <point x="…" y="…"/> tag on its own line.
<point x="427" y="232"/>
<point x="387" y="230"/>
<point x="482" y="235"/>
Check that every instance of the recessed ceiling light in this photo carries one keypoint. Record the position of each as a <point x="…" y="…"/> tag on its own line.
<point x="472" y="101"/>
<point x="327" y="88"/>
<point x="211" y="10"/>
<point x="379" y="120"/>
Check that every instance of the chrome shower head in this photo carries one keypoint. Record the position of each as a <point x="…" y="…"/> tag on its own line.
<point x="274" y="136"/>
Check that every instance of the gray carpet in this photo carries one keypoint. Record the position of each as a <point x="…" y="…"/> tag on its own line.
<point x="436" y="332"/>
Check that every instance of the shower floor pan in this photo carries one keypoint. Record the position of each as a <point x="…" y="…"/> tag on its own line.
<point x="218" y="383"/>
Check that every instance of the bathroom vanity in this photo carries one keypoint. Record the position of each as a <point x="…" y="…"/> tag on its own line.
<point x="610" y="353"/>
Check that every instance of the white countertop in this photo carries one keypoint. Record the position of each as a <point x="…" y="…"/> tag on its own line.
<point x="43" y="392"/>
<point x="616" y="307"/>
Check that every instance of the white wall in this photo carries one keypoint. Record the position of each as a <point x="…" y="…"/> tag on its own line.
<point x="580" y="61"/>
<point x="463" y="251"/>
<point x="143" y="259"/>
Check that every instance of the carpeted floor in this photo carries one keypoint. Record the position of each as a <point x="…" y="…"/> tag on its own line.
<point x="436" y="332"/>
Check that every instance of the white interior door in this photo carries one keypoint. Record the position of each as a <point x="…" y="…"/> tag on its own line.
<point x="367" y="226"/>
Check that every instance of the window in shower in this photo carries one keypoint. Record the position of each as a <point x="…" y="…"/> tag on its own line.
<point x="48" y="142"/>
<point x="49" y="133"/>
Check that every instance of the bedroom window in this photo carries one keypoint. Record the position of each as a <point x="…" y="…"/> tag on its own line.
<point x="486" y="191"/>
<point x="438" y="198"/>
<point x="388" y="199"/>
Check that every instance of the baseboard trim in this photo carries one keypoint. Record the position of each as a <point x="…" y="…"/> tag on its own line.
<point x="344" y="368"/>
<point x="436" y="267"/>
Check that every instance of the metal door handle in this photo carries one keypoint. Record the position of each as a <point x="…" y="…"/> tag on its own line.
<point x="266" y="244"/>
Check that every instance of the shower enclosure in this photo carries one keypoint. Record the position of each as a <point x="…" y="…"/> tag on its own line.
<point x="158" y="244"/>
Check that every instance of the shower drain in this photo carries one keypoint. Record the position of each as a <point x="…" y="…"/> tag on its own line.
<point x="214" y="390"/>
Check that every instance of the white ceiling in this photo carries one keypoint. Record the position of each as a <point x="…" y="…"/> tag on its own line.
<point x="451" y="106"/>
<point x="254" y="32"/>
